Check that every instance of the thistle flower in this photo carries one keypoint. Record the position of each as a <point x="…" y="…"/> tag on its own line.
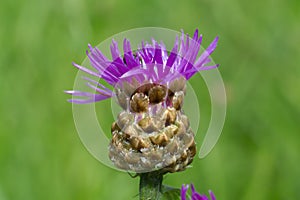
<point x="152" y="132"/>
<point x="195" y="195"/>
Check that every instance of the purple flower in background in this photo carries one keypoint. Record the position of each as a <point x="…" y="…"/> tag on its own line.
<point x="195" y="195"/>
<point x="150" y="63"/>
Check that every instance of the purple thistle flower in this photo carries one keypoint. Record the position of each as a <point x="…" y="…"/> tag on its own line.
<point x="195" y="195"/>
<point x="151" y="132"/>
<point x="149" y="63"/>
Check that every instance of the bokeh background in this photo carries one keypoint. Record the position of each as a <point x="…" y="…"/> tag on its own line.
<point x="257" y="156"/>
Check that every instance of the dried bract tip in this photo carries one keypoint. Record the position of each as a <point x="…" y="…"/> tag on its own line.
<point x="157" y="94"/>
<point x="139" y="102"/>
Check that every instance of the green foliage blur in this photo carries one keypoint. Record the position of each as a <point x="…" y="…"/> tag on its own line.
<point x="41" y="155"/>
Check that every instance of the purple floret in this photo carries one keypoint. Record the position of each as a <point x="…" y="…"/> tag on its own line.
<point x="149" y="63"/>
<point x="195" y="195"/>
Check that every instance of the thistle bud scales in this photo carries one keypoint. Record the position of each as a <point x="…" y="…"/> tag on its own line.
<point x="153" y="132"/>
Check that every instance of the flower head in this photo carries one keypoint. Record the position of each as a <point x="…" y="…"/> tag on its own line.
<point x="152" y="132"/>
<point x="195" y="195"/>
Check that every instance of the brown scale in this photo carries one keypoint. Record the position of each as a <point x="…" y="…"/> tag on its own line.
<point x="157" y="94"/>
<point x="139" y="102"/>
<point x="124" y="118"/>
<point x="138" y="143"/>
<point x="122" y="99"/>
<point x="115" y="127"/>
<point x="178" y="85"/>
<point x="147" y="125"/>
<point x="177" y="100"/>
<point x="160" y="139"/>
<point x="169" y="116"/>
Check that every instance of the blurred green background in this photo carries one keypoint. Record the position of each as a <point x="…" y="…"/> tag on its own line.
<point x="41" y="156"/>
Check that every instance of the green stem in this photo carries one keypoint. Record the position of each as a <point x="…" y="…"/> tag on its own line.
<point x="150" y="185"/>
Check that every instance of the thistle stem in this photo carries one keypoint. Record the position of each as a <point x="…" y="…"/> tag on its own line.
<point x="150" y="185"/>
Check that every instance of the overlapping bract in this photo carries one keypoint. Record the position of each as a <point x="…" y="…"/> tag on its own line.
<point x="149" y="63"/>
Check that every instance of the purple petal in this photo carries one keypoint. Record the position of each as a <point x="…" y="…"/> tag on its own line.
<point x="97" y="59"/>
<point x="133" y="72"/>
<point x="120" y="65"/>
<point x="212" y="196"/>
<point x="173" y="54"/>
<point x="91" y="97"/>
<point x="114" y="50"/>
<point x="86" y="94"/>
<point x="191" y="72"/>
<point x="96" y="83"/>
<point x="212" y="45"/>
<point x="100" y="55"/>
<point x="85" y="101"/>
<point x="209" y="67"/>
<point x="195" y="35"/>
<point x="108" y="71"/>
<point x="130" y="61"/>
<point x="86" y="70"/>
<point x="193" y="188"/>
<point x="207" y="53"/>
<point x="117" y="61"/>
<point x="196" y="196"/>
<point x="100" y="91"/>
<point x="78" y="93"/>
<point x="183" y="191"/>
<point x="191" y="54"/>
<point x="187" y="42"/>
<point x="126" y="46"/>
<point x="164" y="52"/>
<point x="145" y="52"/>
<point x="181" y="46"/>
<point x="157" y="54"/>
<point x="200" y="39"/>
